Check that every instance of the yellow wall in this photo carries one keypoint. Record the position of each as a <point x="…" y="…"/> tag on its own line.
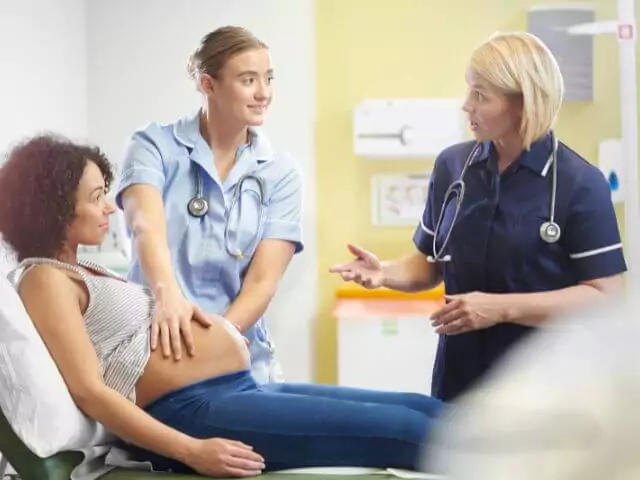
<point x="411" y="48"/>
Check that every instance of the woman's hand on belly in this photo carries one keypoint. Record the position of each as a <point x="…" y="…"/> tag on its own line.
<point x="171" y="322"/>
<point x="221" y="350"/>
<point x="218" y="457"/>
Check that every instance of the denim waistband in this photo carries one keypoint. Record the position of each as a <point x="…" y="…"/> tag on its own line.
<point x="230" y="382"/>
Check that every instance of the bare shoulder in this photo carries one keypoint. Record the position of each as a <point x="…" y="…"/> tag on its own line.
<point x="46" y="281"/>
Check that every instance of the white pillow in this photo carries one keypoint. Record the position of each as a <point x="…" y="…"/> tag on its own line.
<point x="7" y="259"/>
<point x="33" y="395"/>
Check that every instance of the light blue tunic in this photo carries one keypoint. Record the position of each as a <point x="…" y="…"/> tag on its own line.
<point x="166" y="156"/>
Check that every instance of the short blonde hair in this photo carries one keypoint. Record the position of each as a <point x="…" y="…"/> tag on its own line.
<point x="519" y="63"/>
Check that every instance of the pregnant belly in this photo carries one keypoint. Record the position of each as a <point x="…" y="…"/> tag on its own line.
<point x="220" y="349"/>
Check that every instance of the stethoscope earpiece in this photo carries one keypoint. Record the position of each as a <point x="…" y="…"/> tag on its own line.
<point x="432" y="259"/>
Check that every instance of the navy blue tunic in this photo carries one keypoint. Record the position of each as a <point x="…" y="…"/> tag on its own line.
<point x="495" y="245"/>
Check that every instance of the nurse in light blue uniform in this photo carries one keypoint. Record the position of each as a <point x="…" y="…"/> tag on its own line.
<point x="214" y="211"/>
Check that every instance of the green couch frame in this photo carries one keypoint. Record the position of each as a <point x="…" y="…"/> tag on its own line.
<point x="29" y="466"/>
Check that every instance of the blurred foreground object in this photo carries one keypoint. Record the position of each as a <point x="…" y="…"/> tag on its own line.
<point x="563" y="405"/>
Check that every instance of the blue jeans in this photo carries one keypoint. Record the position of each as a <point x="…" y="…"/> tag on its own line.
<point x="296" y="425"/>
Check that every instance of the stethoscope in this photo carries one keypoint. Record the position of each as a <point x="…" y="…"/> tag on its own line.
<point x="550" y="231"/>
<point x="198" y="207"/>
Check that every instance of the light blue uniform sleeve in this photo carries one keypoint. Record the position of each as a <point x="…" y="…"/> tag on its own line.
<point x="284" y="212"/>
<point x="142" y="164"/>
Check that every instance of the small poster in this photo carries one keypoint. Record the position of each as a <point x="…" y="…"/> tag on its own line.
<point x="398" y="199"/>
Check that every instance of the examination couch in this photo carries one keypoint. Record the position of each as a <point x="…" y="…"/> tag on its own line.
<point x="58" y="467"/>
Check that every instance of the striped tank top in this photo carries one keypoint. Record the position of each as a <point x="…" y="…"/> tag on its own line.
<point x="117" y="318"/>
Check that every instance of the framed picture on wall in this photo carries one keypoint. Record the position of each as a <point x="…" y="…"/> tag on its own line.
<point x="397" y="199"/>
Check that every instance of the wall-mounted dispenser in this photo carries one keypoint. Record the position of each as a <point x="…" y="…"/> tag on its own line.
<point x="611" y="164"/>
<point x="406" y="128"/>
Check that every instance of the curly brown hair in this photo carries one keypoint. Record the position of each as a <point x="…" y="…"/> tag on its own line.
<point x="38" y="186"/>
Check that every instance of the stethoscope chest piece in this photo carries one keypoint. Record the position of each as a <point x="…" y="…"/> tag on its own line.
<point x="550" y="232"/>
<point x="198" y="206"/>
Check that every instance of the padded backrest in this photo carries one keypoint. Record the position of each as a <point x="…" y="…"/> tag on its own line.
<point x="38" y="418"/>
<point x="28" y="465"/>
